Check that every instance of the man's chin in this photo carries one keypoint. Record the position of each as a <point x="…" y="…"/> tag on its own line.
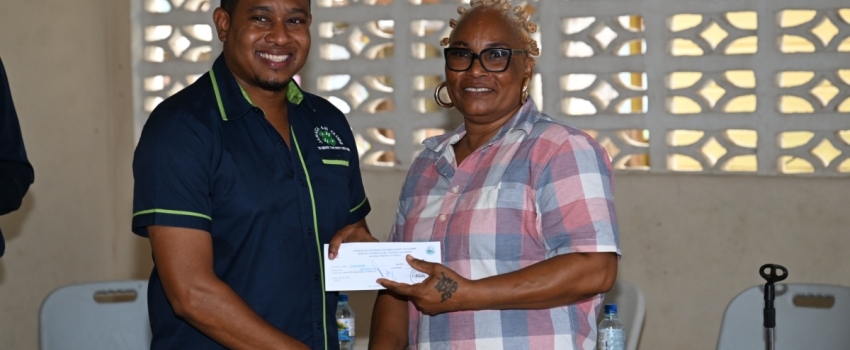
<point x="273" y="85"/>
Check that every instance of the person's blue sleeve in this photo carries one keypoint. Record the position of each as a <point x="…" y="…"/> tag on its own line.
<point x="171" y="168"/>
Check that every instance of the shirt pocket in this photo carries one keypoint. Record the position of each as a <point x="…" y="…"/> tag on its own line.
<point x="498" y="225"/>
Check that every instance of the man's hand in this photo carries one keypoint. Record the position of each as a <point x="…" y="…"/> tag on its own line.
<point x="356" y="232"/>
<point x="442" y="291"/>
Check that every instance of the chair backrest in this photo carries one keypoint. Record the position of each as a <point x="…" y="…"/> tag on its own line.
<point x="631" y="309"/>
<point x="807" y="316"/>
<point x="103" y="315"/>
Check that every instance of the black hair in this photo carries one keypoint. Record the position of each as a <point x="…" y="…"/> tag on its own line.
<point x="230" y="5"/>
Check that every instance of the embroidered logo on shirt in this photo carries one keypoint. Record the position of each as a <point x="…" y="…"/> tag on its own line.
<point x="328" y="139"/>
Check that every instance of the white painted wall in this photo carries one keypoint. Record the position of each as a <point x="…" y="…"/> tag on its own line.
<point x="691" y="242"/>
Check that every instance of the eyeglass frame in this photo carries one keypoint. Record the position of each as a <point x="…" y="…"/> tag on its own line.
<point x="475" y="56"/>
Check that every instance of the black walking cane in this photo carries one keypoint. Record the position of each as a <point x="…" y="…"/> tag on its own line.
<point x="772" y="273"/>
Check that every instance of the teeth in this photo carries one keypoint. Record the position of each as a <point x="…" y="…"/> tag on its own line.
<point x="477" y="89"/>
<point x="274" y="58"/>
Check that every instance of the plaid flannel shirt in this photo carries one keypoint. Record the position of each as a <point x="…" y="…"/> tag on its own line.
<point x="538" y="189"/>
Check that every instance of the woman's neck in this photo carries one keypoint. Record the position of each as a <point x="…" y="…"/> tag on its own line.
<point x="478" y="134"/>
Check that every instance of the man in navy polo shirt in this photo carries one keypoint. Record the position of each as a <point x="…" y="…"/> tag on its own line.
<point x="240" y="180"/>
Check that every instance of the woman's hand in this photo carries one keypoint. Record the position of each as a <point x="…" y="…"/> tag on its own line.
<point x="442" y="291"/>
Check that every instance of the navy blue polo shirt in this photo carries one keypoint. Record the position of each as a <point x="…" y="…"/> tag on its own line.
<point x="209" y="160"/>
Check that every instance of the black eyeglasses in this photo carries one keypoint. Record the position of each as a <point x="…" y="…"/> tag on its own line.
<point x="492" y="60"/>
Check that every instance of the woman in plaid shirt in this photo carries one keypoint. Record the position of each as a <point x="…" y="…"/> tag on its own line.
<point x="522" y="205"/>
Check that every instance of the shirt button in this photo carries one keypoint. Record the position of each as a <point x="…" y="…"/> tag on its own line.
<point x="318" y="325"/>
<point x="442" y="217"/>
<point x="310" y="231"/>
<point x="316" y="277"/>
<point x="257" y="110"/>
<point x="454" y="189"/>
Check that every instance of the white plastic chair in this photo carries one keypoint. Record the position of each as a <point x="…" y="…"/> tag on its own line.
<point x="103" y="315"/>
<point x="808" y="316"/>
<point x="631" y="309"/>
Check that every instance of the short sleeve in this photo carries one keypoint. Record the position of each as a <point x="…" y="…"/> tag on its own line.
<point x="574" y="195"/>
<point x="171" y="167"/>
<point x="397" y="231"/>
<point x="359" y="203"/>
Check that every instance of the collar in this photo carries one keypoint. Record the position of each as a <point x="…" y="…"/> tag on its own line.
<point x="524" y="120"/>
<point x="233" y="102"/>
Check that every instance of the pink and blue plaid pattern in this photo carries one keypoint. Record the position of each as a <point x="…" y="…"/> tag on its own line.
<point x="537" y="190"/>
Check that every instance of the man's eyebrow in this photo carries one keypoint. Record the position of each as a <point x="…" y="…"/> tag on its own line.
<point x="299" y="11"/>
<point x="268" y="9"/>
<point x="260" y="8"/>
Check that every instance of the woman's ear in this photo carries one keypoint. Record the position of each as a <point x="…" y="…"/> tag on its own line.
<point x="529" y="66"/>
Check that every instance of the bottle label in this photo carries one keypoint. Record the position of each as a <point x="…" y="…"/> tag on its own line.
<point x="611" y="339"/>
<point x="345" y="328"/>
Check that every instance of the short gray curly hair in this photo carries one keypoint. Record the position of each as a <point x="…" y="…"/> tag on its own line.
<point x="518" y="17"/>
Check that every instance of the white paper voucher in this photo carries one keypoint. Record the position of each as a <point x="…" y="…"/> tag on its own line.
<point x="359" y="265"/>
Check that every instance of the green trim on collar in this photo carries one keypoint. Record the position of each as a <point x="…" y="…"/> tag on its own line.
<point x="293" y="93"/>
<point x="218" y="95"/>
<point x="245" y="94"/>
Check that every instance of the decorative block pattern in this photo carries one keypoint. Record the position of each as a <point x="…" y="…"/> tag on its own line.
<point x="721" y="92"/>
<point x="617" y="93"/>
<point x="814" y="92"/>
<point x="760" y="87"/>
<point x="712" y="151"/>
<point x="713" y="34"/>
<point x="810" y="152"/>
<point x="177" y="44"/>
<point x="610" y="35"/>
<point x="814" y="30"/>
<point x="628" y="149"/>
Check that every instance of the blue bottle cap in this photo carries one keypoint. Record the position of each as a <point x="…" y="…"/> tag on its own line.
<point x="610" y="308"/>
<point x="343" y="298"/>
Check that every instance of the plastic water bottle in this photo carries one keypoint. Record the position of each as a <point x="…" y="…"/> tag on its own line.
<point x="345" y="323"/>
<point x="611" y="335"/>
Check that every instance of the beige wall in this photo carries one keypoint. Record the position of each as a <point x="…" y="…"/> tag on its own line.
<point x="62" y="58"/>
<point x="694" y="242"/>
<point x="691" y="242"/>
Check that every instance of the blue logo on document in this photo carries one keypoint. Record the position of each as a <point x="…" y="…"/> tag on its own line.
<point x="430" y="250"/>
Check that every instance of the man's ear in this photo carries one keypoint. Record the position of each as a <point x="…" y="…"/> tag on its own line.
<point x="222" y="23"/>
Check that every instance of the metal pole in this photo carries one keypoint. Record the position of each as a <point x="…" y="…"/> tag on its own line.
<point x="772" y="273"/>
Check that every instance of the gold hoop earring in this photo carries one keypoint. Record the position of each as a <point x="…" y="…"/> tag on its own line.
<point x="437" y="96"/>
<point x="523" y="97"/>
